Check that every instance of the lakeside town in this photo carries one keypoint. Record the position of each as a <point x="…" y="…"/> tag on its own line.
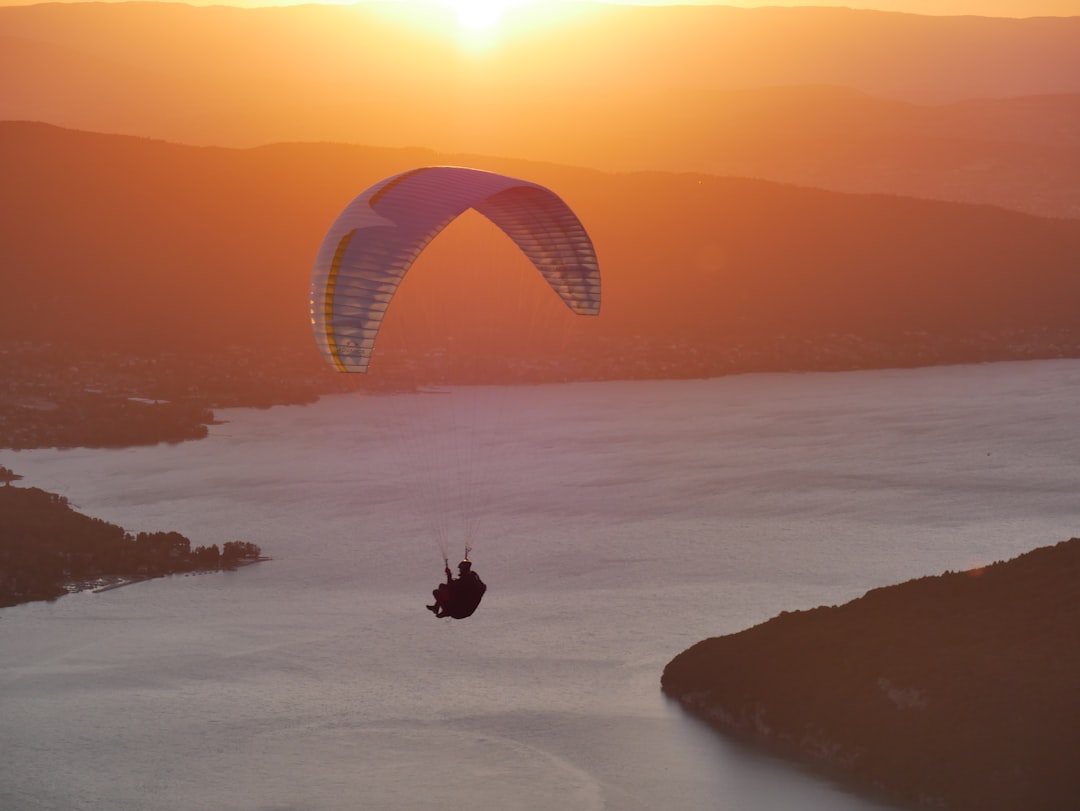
<point x="53" y="396"/>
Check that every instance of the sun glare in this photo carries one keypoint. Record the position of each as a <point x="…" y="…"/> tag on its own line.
<point x="479" y="15"/>
<point x="480" y="26"/>
<point x="481" y="23"/>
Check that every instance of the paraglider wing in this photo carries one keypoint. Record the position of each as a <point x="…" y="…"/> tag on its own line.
<point x="375" y="240"/>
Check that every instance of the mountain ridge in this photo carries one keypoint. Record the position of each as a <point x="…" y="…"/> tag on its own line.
<point x="988" y="112"/>
<point x="726" y="265"/>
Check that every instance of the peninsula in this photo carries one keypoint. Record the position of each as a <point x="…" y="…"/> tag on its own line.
<point x="952" y="692"/>
<point x="47" y="549"/>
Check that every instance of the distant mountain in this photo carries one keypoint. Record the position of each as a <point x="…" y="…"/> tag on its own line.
<point x="143" y="246"/>
<point x="604" y="49"/>
<point x="955" y="692"/>
<point x="966" y="109"/>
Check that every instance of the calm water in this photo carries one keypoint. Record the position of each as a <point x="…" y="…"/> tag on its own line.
<point x="616" y="524"/>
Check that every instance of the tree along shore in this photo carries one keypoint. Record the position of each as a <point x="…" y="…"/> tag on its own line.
<point x="47" y="549"/>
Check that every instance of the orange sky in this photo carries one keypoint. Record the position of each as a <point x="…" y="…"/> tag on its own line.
<point x="990" y="8"/>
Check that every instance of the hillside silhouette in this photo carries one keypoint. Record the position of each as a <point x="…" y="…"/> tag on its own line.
<point x="48" y="549"/>
<point x="956" y="691"/>
<point x="966" y="109"/>
<point x="139" y="246"/>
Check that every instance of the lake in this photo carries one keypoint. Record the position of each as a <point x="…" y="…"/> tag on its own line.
<point x="615" y="523"/>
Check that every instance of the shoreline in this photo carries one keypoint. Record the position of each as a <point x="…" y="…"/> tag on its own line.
<point x="100" y="585"/>
<point x="120" y="583"/>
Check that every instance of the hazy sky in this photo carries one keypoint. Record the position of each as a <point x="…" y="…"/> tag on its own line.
<point x="989" y="8"/>
<point x="993" y="8"/>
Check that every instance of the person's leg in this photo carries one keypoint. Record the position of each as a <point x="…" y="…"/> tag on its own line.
<point x="442" y="599"/>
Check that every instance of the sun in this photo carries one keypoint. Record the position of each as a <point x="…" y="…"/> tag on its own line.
<point x="482" y="26"/>
<point x="480" y="15"/>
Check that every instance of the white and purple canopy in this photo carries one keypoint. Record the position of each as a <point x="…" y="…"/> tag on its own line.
<point x="375" y="240"/>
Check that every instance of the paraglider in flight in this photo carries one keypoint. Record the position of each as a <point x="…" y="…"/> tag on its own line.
<point x="375" y="240"/>
<point x="458" y="598"/>
<point x="377" y="237"/>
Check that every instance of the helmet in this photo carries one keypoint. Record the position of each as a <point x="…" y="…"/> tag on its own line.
<point x="465" y="565"/>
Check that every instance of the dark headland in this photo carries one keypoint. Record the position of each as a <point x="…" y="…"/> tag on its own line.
<point x="958" y="692"/>
<point x="48" y="549"/>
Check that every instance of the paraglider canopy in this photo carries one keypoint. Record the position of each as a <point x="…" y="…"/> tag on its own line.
<point x="375" y="240"/>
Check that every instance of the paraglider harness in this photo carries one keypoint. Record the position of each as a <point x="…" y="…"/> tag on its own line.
<point x="458" y="598"/>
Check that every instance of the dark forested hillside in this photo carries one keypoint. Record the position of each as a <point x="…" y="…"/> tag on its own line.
<point x="955" y="692"/>
<point x="47" y="548"/>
